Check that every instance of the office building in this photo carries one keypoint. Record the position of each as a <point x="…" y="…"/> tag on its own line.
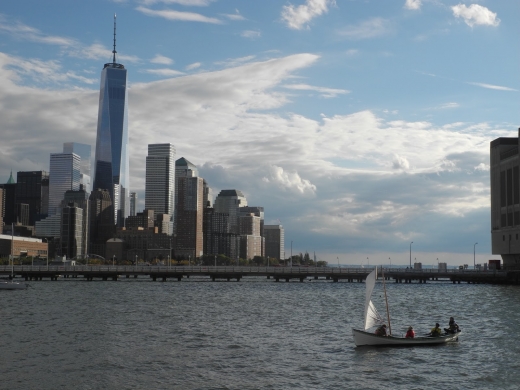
<point x="189" y="210"/>
<point x="84" y="152"/>
<point x="32" y="189"/>
<point x="143" y="220"/>
<point x="2" y="210"/>
<point x="112" y="159"/>
<point x="274" y="241"/>
<point x="9" y="190"/>
<point x="133" y="203"/>
<point x="80" y="199"/>
<point x="160" y="179"/>
<point x="64" y="175"/>
<point x="71" y="231"/>
<point x="101" y="218"/>
<point x="229" y="202"/>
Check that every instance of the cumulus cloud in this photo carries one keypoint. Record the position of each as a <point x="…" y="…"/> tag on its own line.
<point x="159" y="59"/>
<point x="178" y="15"/>
<point x="475" y="14"/>
<point x="413" y="4"/>
<point x="298" y="17"/>
<point x="372" y="28"/>
<point x="354" y="173"/>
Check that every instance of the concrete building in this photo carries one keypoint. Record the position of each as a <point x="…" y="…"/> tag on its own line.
<point x="143" y="245"/>
<point x="101" y="218"/>
<point x="22" y="246"/>
<point x="9" y="190"/>
<point x="2" y="210"/>
<point x="144" y="220"/>
<point x="505" y="200"/>
<point x="230" y="202"/>
<point x="189" y="210"/>
<point x="274" y="241"/>
<point x="80" y="199"/>
<point x="71" y="231"/>
<point x="160" y="179"/>
<point x="218" y="239"/>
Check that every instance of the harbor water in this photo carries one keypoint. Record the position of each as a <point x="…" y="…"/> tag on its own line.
<point x="252" y="334"/>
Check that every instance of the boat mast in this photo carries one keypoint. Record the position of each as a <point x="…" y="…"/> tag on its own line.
<point x="386" y="300"/>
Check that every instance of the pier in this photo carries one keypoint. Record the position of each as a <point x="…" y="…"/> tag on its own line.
<point x="236" y="273"/>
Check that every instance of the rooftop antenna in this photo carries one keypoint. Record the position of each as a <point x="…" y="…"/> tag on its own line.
<point x="114" y="51"/>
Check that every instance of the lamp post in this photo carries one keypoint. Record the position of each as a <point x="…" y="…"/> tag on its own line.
<point x="474" y="266"/>
<point x="215" y="260"/>
<point x="189" y="260"/>
<point x="136" y="261"/>
<point x="337" y="257"/>
<point x="113" y="260"/>
<point x="411" y="254"/>
<point x="390" y="260"/>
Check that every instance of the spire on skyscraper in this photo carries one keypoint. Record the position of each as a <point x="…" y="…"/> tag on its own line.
<point x="114" y="51"/>
<point x="11" y="179"/>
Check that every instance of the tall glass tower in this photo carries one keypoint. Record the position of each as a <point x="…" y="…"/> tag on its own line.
<point x="112" y="163"/>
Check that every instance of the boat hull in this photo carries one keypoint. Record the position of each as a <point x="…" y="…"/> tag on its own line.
<point x="366" y="338"/>
<point x="10" y="285"/>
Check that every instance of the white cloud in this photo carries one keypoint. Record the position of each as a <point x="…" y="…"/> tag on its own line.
<point x="324" y="92"/>
<point x="449" y="105"/>
<point x="413" y="4"/>
<point x="251" y="34"/>
<point x="195" y="65"/>
<point x="475" y="14"/>
<point x="298" y="17"/>
<point x="352" y="52"/>
<point x="22" y="31"/>
<point x="400" y="162"/>
<point x="164" y="72"/>
<point x="159" y="59"/>
<point x="235" y="16"/>
<point x="372" y="28"/>
<point x="289" y="180"/>
<point x="490" y="86"/>
<point x="178" y="15"/>
<point x="230" y="62"/>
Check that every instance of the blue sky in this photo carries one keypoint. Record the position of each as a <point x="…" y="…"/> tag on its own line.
<point x="360" y="125"/>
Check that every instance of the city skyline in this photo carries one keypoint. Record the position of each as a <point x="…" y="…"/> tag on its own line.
<point x="360" y="127"/>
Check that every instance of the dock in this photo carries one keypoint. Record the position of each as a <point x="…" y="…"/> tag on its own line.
<point x="228" y="273"/>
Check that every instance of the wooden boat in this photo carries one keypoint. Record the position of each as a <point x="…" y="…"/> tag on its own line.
<point x="373" y="318"/>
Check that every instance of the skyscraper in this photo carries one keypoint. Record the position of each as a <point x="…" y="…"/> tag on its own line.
<point x="30" y="189"/>
<point x="133" y="203"/>
<point x="160" y="179"/>
<point x="189" y="210"/>
<point x="83" y="151"/>
<point x="112" y="160"/>
<point x="274" y="241"/>
<point x="64" y="175"/>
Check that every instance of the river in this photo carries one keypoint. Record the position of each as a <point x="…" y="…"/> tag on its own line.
<point x="252" y="334"/>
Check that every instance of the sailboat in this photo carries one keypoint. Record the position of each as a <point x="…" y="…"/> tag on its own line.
<point x="373" y="318"/>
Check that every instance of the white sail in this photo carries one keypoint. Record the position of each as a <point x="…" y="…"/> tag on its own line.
<point x="372" y="317"/>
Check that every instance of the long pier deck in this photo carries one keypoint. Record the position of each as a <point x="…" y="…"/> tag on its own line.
<point x="335" y="274"/>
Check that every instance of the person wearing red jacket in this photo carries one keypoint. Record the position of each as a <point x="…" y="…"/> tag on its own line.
<point x="410" y="334"/>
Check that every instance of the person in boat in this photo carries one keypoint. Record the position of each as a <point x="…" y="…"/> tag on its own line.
<point x="435" y="332"/>
<point x="452" y="327"/>
<point x="410" y="334"/>
<point x="381" y="331"/>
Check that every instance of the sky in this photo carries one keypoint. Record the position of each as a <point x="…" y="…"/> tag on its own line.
<point x="359" y="125"/>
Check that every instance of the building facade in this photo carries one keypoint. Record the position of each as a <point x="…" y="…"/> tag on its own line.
<point x="71" y="231"/>
<point x="64" y="175"/>
<point x="274" y="241"/>
<point x="189" y="210"/>
<point x="133" y="203"/>
<point x="84" y="151"/>
<point x="160" y="179"/>
<point x="112" y="160"/>
<point x="32" y="189"/>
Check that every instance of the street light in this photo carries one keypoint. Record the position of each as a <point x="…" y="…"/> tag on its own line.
<point x="291" y="253"/>
<point x="474" y="267"/>
<point x="215" y="260"/>
<point x="411" y="254"/>
<point x="113" y="260"/>
<point x="136" y="261"/>
<point x="337" y="257"/>
<point x="389" y="259"/>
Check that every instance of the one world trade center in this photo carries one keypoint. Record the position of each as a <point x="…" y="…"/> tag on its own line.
<point x="112" y="163"/>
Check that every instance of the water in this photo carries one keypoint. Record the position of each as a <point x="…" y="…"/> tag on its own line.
<point x="255" y="334"/>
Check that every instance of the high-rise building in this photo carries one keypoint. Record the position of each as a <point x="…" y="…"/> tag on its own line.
<point x="32" y="189"/>
<point x="189" y="210"/>
<point x="160" y="179"/>
<point x="274" y="241"/>
<point x="9" y="200"/>
<point x="112" y="160"/>
<point x="230" y="201"/>
<point x="208" y="195"/>
<point x="505" y="200"/>
<point x="133" y="203"/>
<point x="84" y="152"/>
<point x="80" y="199"/>
<point x="2" y="210"/>
<point x="101" y="221"/>
<point x="71" y="231"/>
<point x="64" y="175"/>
